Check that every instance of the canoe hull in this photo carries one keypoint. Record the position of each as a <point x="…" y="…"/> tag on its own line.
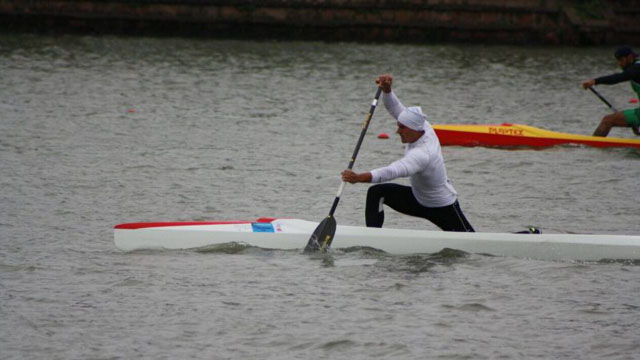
<point x="293" y="234"/>
<point x="517" y="135"/>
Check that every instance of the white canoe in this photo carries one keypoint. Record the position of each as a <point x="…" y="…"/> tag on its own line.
<point x="288" y="234"/>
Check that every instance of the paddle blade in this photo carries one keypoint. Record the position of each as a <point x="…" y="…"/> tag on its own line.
<point x="323" y="235"/>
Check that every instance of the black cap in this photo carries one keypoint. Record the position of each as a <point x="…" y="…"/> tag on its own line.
<point x="623" y="51"/>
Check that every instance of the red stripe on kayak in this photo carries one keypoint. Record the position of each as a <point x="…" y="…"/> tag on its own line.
<point x="461" y="138"/>
<point x="143" y="225"/>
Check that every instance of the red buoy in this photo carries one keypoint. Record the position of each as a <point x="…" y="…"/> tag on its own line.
<point x="633" y="101"/>
<point x="383" y="136"/>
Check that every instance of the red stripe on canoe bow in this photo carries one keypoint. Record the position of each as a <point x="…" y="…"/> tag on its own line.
<point x="143" y="225"/>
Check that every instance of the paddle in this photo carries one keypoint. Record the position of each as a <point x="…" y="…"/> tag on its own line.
<point x="323" y="235"/>
<point x="596" y="93"/>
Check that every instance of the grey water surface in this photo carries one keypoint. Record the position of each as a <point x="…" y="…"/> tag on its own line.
<point x="96" y="131"/>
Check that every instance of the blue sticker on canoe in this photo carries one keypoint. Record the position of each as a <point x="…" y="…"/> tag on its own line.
<point x="262" y="227"/>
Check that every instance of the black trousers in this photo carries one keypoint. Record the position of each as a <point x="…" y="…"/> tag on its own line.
<point x="401" y="199"/>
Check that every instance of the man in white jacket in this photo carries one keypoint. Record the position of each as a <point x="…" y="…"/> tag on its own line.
<point x="431" y="195"/>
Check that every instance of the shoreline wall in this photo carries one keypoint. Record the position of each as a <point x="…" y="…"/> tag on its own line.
<point x="570" y="22"/>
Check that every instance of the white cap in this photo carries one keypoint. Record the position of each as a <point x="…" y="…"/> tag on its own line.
<point x="413" y="118"/>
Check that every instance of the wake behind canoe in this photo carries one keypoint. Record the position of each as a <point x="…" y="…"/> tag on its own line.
<point x="293" y="234"/>
<point x="517" y="135"/>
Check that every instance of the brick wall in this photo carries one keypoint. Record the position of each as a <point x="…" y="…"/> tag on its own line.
<point x="506" y="21"/>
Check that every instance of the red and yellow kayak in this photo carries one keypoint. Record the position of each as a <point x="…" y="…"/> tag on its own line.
<point x="517" y="135"/>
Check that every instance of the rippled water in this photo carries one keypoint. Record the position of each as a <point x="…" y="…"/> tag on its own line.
<point x="100" y="131"/>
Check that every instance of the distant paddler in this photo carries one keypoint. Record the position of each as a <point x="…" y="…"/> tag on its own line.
<point x="431" y="195"/>
<point x="628" y="61"/>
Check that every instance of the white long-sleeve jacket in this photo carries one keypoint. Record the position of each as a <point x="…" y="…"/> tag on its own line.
<point x="422" y="163"/>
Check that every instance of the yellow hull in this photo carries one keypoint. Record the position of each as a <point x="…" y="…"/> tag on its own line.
<point x="517" y="135"/>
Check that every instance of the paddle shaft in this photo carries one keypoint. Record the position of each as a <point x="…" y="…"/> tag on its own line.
<point x="322" y="237"/>
<point x="365" y="126"/>
<point x="596" y="93"/>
